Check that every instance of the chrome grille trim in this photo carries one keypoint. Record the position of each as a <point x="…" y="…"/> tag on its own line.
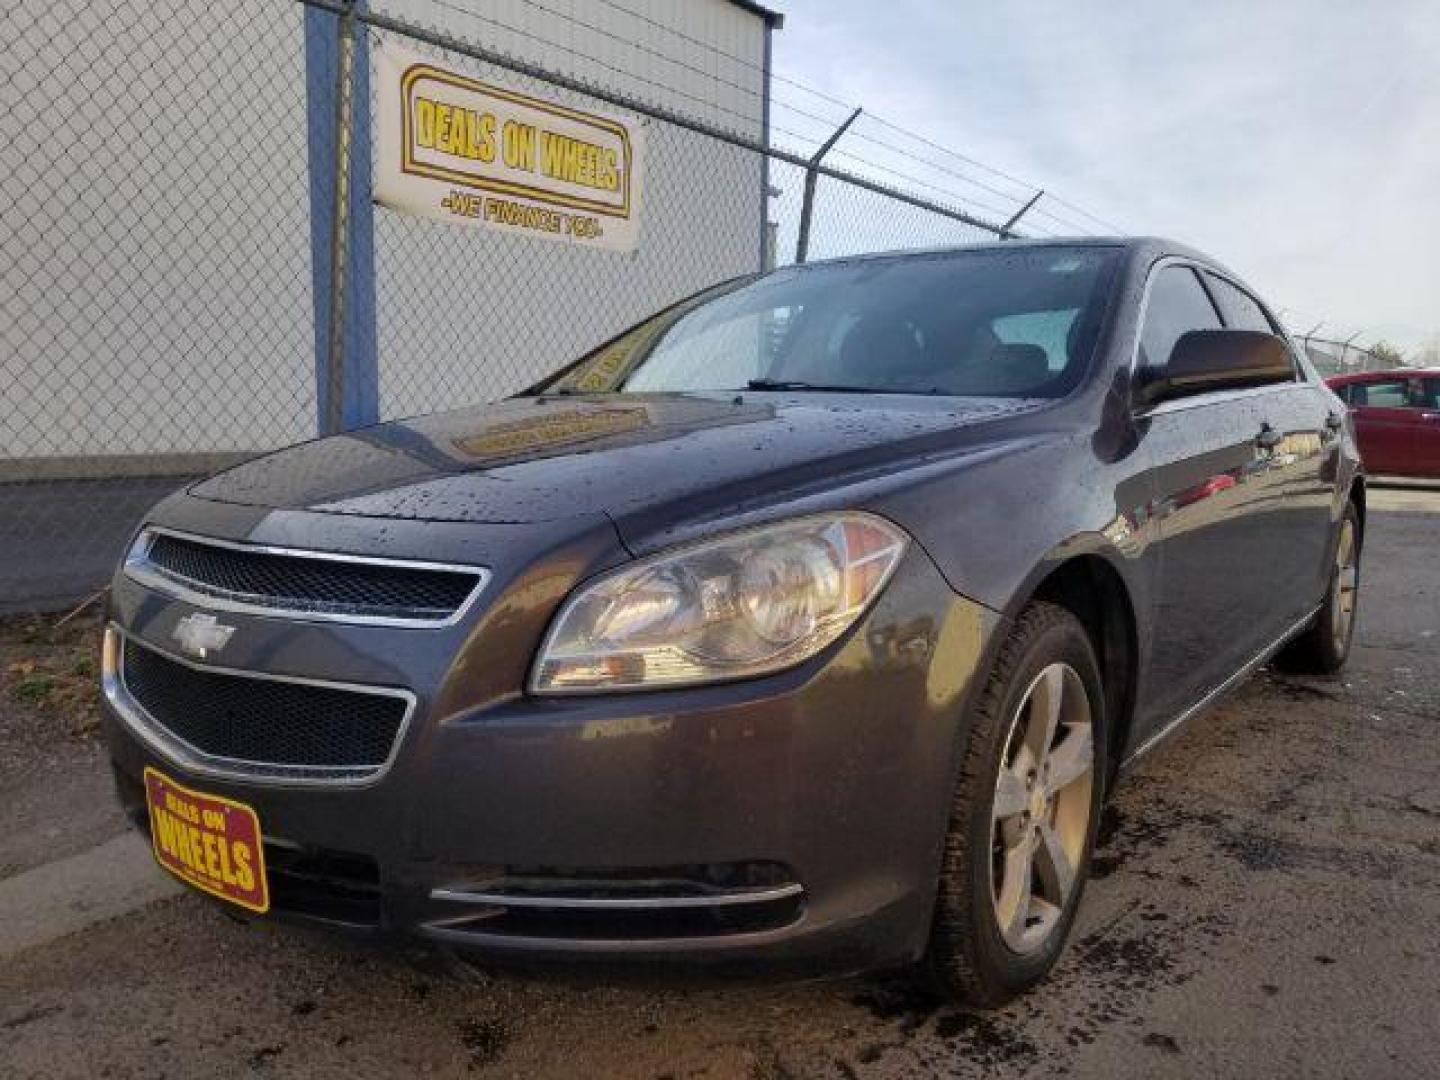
<point x="139" y="568"/>
<point x="619" y="903"/>
<point x="175" y="750"/>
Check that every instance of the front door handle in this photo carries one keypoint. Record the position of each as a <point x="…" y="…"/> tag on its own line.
<point x="1268" y="438"/>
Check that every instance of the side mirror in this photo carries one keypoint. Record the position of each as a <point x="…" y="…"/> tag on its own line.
<point x="1207" y="360"/>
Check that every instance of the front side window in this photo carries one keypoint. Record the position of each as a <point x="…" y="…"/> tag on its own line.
<point x="1178" y="304"/>
<point x="990" y="322"/>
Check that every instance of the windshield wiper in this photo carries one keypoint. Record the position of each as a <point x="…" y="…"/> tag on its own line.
<point x="825" y="388"/>
<point x="780" y="384"/>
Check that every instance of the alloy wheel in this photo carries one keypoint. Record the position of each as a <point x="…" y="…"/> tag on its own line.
<point x="1347" y="579"/>
<point x="1040" y="815"/>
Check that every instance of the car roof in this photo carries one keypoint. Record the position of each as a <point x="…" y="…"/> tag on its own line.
<point x="1383" y="375"/>
<point x="1144" y="248"/>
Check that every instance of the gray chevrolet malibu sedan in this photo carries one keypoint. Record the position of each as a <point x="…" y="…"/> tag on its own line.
<point x="808" y="621"/>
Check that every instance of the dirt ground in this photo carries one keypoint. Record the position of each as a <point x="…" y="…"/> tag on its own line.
<point x="1265" y="902"/>
<point x="51" y="765"/>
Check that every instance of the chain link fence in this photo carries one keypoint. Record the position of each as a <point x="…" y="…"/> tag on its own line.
<point x="155" y="286"/>
<point x="1338" y="357"/>
<point x="192" y="270"/>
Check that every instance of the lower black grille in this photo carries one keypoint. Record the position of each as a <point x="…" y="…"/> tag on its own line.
<point x="335" y="886"/>
<point x="262" y="726"/>
<point x="296" y="582"/>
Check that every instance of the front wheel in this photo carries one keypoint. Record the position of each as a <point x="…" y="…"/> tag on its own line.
<point x="1023" y="821"/>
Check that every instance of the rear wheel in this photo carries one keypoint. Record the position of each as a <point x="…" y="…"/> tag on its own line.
<point x="1023" y="821"/>
<point x="1324" y="646"/>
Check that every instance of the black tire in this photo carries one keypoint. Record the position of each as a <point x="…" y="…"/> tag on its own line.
<point x="1323" y="647"/>
<point x="968" y="960"/>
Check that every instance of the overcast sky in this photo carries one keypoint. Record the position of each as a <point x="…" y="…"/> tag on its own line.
<point x="1298" y="141"/>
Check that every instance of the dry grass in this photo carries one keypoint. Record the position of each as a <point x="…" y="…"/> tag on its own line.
<point x="49" y="673"/>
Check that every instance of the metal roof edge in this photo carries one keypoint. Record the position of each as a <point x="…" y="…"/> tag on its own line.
<point x="774" y="19"/>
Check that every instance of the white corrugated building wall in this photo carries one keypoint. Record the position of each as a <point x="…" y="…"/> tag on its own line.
<point x="156" y="298"/>
<point x="528" y="306"/>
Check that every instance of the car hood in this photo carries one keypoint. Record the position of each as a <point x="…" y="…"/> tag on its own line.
<point x="542" y="459"/>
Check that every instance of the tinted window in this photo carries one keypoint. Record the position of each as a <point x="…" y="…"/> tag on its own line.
<point x="1394" y="394"/>
<point x="1430" y="393"/>
<point x="1240" y="310"/>
<point x="1177" y="304"/>
<point x="1002" y="322"/>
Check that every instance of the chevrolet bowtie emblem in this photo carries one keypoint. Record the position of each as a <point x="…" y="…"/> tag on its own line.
<point x="200" y="635"/>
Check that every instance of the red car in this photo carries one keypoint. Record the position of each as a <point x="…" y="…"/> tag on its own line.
<point x="1397" y="419"/>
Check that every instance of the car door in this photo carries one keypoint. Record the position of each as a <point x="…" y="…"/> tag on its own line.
<point x="1384" y="423"/>
<point x="1216" y="501"/>
<point x="1427" y="431"/>
<point x="1302" y="464"/>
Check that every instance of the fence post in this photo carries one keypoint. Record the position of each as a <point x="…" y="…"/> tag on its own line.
<point x="1345" y="347"/>
<point x="1006" y="232"/>
<point x="341" y="219"/>
<point x="802" y="242"/>
<point x="767" y="241"/>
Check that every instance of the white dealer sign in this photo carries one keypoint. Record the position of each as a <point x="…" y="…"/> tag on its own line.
<point x="452" y="147"/>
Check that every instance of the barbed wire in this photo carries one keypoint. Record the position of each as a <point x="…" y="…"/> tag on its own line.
<point x="574" y="20"/>
<point x="786" y="80"/>
<point x="579" y="54"/>
<point x="1067" y="222"/>
<point x="850" y="155"/>
<point x="1046" y="207"/>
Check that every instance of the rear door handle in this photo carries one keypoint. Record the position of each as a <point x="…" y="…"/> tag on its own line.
<point x="1268" y="438"/>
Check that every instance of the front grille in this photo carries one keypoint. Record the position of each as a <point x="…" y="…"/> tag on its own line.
<point x="262" y="726"/>
<point x="309" y="584"/>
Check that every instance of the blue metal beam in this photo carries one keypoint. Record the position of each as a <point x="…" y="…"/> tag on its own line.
<point x="359" y="403"/>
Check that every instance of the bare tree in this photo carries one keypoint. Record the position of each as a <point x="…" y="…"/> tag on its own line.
<point x="1386" y="355"/>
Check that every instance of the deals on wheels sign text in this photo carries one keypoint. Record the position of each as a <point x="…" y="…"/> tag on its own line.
<point x="455" y="148"/>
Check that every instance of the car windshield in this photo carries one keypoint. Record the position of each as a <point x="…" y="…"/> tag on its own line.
<point x="1018" y="322"/>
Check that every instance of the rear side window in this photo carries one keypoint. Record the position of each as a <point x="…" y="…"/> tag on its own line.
<point x="1394" y="394"/>
<point x="1239" y="308"/>
<point x="1177" y="305"/>
<point x="1430" y="393"/>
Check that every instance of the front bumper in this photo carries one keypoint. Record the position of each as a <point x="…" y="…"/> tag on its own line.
<point x="793" y="818"/>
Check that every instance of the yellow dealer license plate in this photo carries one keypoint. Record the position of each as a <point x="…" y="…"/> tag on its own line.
<point x="208" y="842"/>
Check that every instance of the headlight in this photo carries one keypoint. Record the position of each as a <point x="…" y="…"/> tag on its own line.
<point x="750" y="603"/>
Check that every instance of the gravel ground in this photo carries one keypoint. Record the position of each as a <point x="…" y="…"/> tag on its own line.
<point x="1265" y="902"/>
